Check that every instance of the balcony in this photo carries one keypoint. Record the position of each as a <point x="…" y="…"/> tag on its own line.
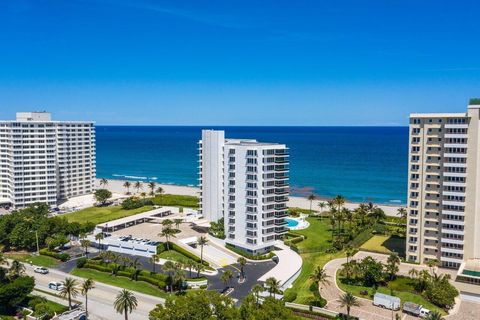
<point x="280" y="222"/>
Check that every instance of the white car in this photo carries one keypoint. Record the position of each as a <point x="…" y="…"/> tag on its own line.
<point x="56" y="286"/>
<point x="41" y="270"/>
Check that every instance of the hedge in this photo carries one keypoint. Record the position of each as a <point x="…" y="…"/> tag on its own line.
<point x="250" y="256"/>
<point x="155" y="279"/>
<point x="60" y="256"/>
<point x="289" y="295"/>
<point x="162" y="247"/>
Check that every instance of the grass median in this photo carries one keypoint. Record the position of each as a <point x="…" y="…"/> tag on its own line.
<point x="119" y="281"/>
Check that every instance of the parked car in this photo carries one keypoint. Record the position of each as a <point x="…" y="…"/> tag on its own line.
<point x="55" y="286"/>
<point x="41" y="270"/>
<point x="415" y="309"/>
<point x="386" y="301"/>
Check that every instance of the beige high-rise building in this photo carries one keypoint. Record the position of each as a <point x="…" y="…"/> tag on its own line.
<point x="444" y="187"/>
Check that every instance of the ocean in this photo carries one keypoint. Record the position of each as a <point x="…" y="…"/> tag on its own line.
<point x="359" y="163"/>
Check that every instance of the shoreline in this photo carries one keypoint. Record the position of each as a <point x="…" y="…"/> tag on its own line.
<point x="116" y="186"/>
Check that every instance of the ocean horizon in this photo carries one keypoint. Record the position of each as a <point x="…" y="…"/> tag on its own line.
<point x="360" y="163"/>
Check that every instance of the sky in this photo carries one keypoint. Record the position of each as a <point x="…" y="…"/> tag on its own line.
<point x="226" y="62"/>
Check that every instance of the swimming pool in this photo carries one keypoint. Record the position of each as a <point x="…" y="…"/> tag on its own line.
<point x="291" y="223"/>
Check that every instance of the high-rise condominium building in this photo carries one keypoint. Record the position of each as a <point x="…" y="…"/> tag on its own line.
<point x="246" y="183"/>
<point x="444" y="187"/>
<point x="45" y="161"/>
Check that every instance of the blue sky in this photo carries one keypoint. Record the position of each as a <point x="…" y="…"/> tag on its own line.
<point x="268" y="62"/>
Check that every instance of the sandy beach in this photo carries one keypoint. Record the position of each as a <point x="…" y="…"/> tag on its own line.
<point x="116" y="186"/>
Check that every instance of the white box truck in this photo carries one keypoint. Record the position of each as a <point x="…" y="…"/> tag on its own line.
<point x="415" y="309"/>
<point x="385" y="301"/>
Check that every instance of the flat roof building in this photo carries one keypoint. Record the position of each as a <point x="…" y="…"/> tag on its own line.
<point x="45" y="161"/>
<point x="444" y="187"/>
<point x="246" y="183"/>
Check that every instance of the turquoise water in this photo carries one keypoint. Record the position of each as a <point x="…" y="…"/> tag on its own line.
<point x="360" y="163"/>
<point x="291" y="223"/>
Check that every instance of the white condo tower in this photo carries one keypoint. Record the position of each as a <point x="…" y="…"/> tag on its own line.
<point x="45" y="161"/>
<point x="246" y="183"/>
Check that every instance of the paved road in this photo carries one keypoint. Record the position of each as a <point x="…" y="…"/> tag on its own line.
<point x="253" y="271"/>
<point x="100" y="302"/>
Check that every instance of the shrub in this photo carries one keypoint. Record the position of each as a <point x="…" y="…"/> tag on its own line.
<point x="60" y="256"/>
<point x="203" y="286"/>
<point x="81" y="262"/>
<point x="318" y="302"/>
<point x="134" y="203"/>
<point x="289" y="296"/>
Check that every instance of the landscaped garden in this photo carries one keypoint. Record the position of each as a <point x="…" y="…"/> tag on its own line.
<point x="333" y="231"/>
<point x="365" y="277"/>
<point x="98" y="215"/>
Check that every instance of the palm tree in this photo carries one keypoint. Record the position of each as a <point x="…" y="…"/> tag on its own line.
<point x="138" y="185"/>
<point x="103" y="182"/>
<point x="99" y="237"/>
<point x="413" y="273"/>
<point x="434" y="315"/>
<point x="310" y="198"/>
<point x="402" y="212"/>
<point x="177" y="223"/>
<point x="143" y="195"/>
<point x="127" y="185"/>
<point x="87" y="285"/>
<point x="348" y="300"/>
<point x="319" y="277"/>
<point x="69" y="290"/>
<point x="190" y="264"/>
<point x="226" y="277"/>
<point x="256" y="291"/>
<point x="16" y="269"/>
<point x="85" y="244"/>
<point x="339" y="201"/>
<point x="169" y="268"/>
<point x="179" y="277"/>
<point x="202" y="241"/>
<point x="392" y="264"/>
<point x="135" y="263"/>
<point x="159" y="191"/>
<point x="199" y="267"/>
<point x="153" y="260"/>
<point x="322" y="206"/>
<point x="242" y="262"/>
<point x="273" y="285"/>
<point x="349" y="251"/>
<point x="151" y="186"/>
<point x="125" y="303"/>
<point x="167" y="232"/>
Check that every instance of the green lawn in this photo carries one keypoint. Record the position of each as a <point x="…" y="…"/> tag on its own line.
<point x="103" y="214"/>
<point x="318" y="240"/>
<point x="400" y="287"/>
<point x="121" y="282"/>
<point x="173" y="255"/>
<point x="43" y="261"/>
<point x="302" y="285"/>
<point x="385" y="244"/>
<point x="318" y="235"/>
<point x="175" y="200"/>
